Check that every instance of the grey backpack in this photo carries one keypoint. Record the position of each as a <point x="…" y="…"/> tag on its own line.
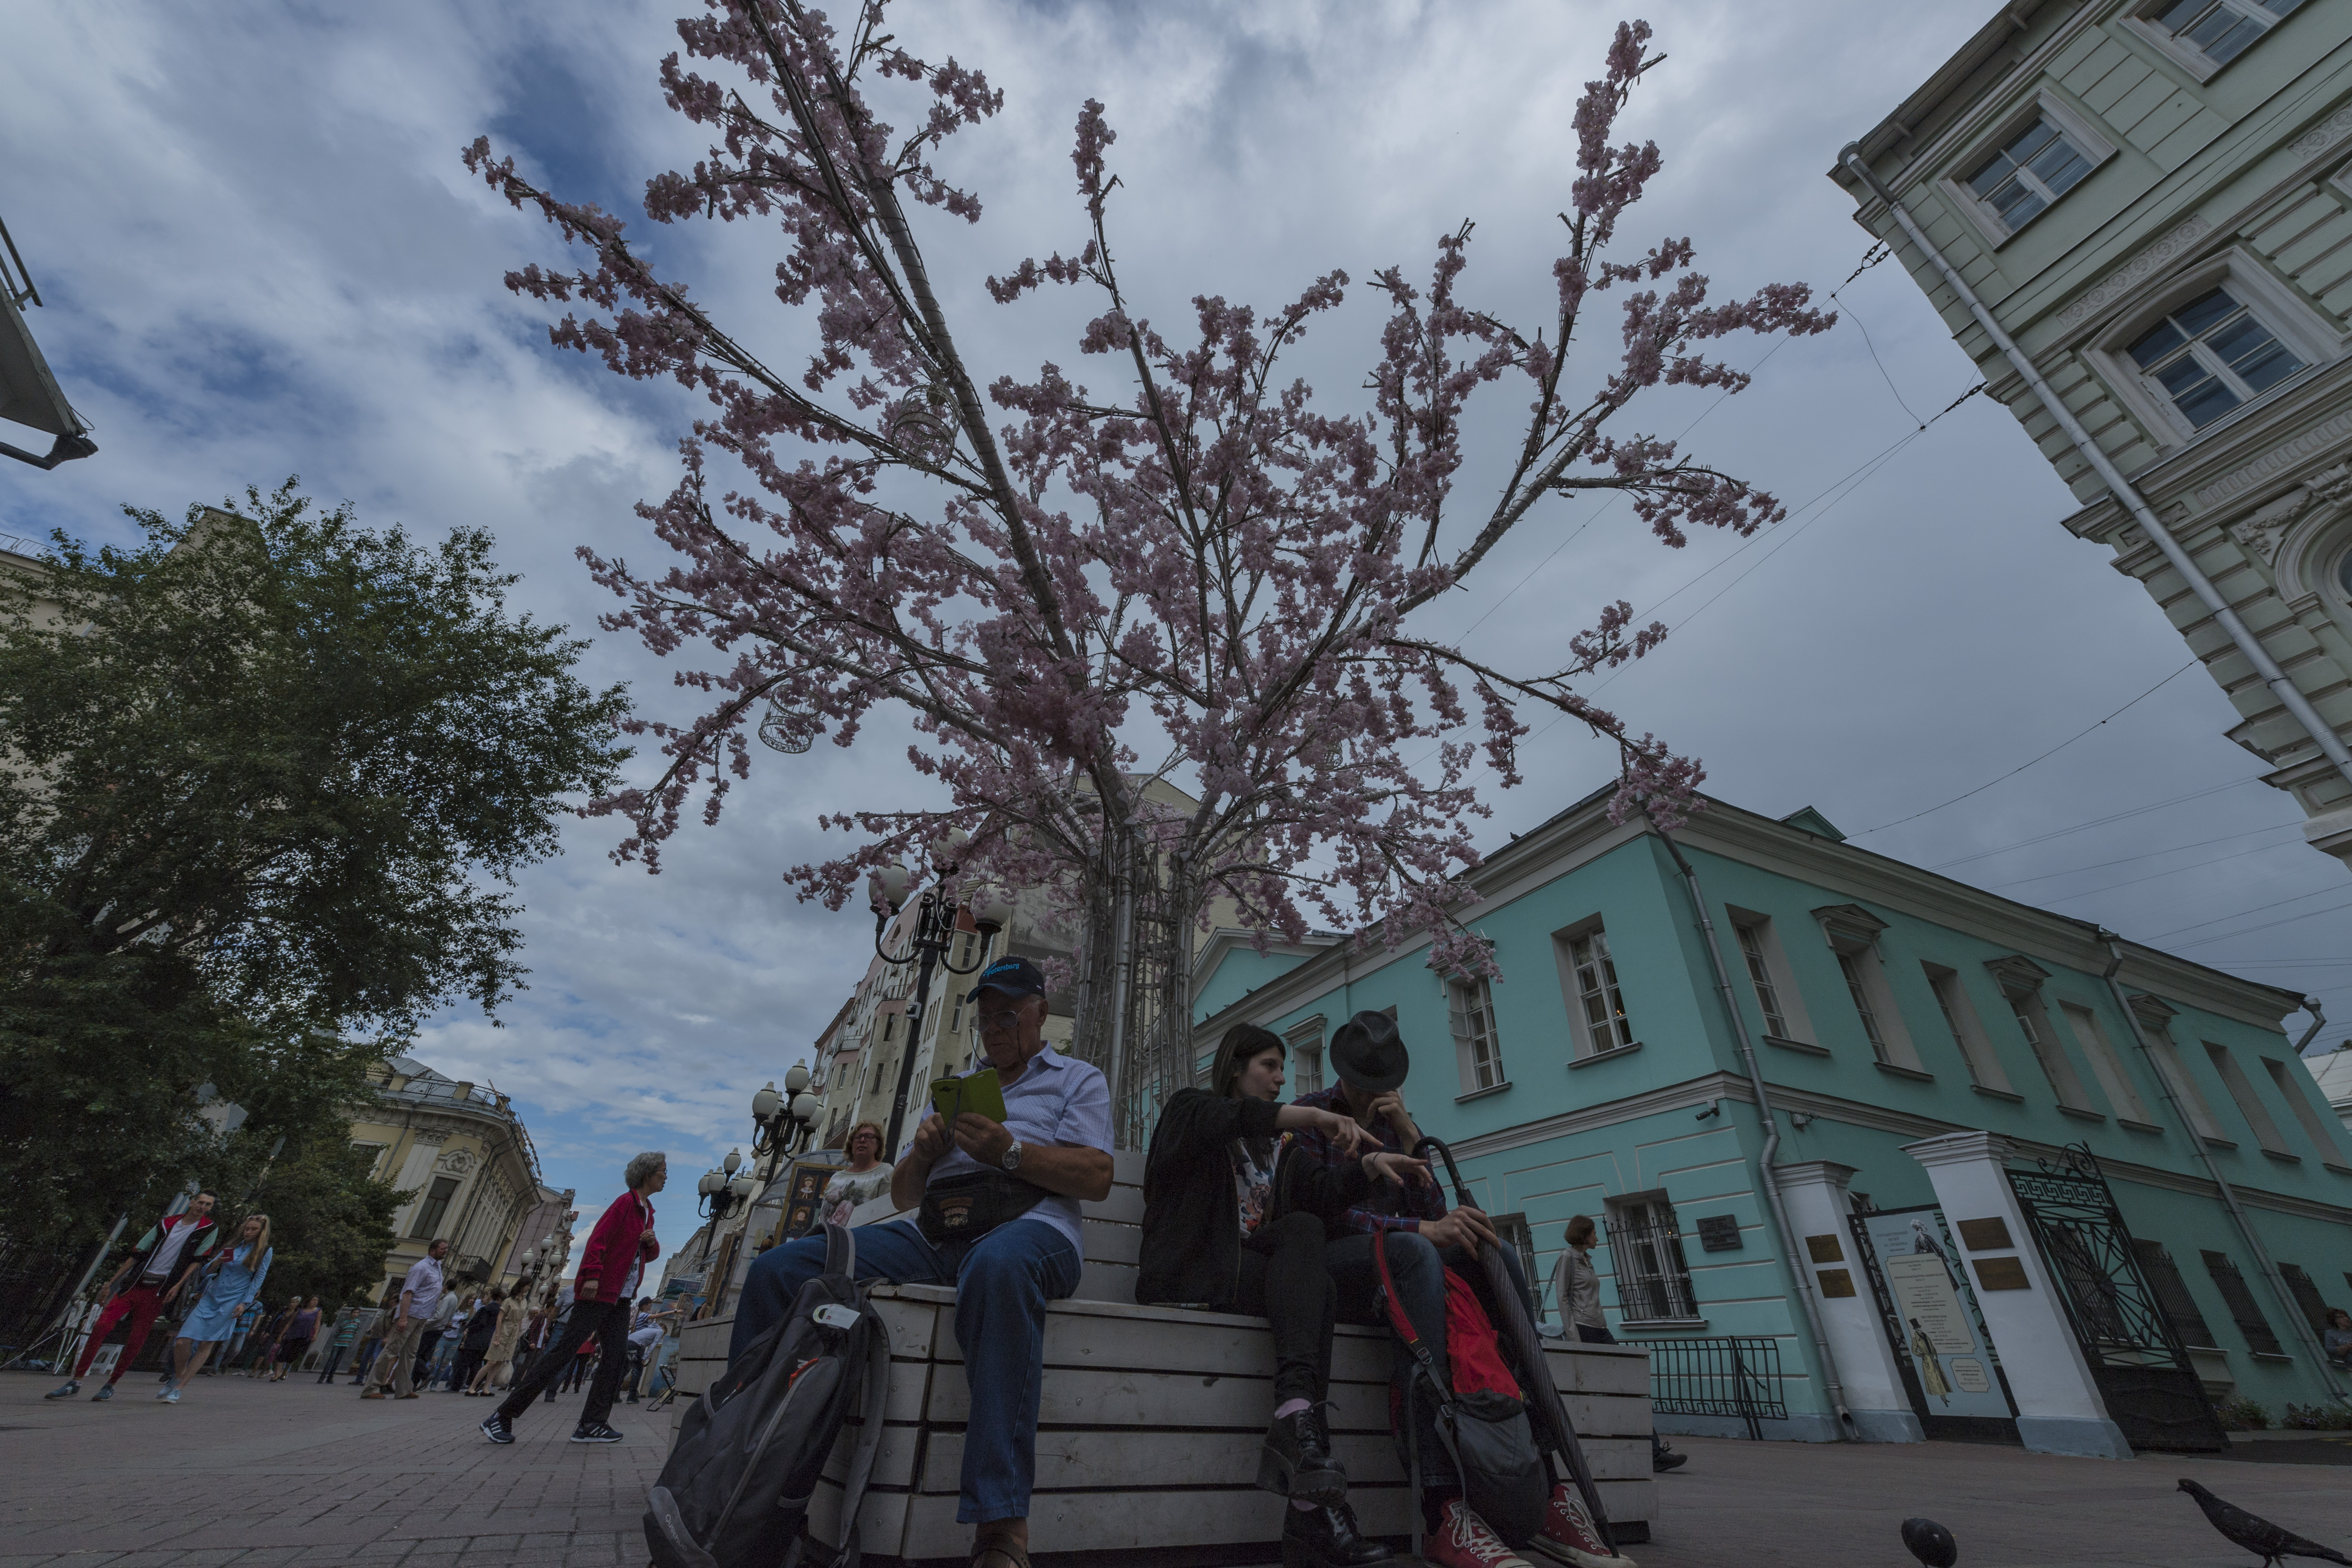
<point x="736" y="1490"/>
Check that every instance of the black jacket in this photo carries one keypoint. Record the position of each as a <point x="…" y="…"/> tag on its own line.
<point x="1191" y="1249"/>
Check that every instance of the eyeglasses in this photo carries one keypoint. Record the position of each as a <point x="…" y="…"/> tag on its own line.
<point x="1008" y="1019"/>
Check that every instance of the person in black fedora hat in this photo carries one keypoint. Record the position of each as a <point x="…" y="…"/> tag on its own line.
<point x="1371" y="1063"/>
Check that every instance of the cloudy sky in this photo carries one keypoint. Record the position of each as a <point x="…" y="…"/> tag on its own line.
<point x="261" y="256"/>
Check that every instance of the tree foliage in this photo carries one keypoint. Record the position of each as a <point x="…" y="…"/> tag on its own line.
<point x="270" y="776"/>
<point x="1204" y="573"/>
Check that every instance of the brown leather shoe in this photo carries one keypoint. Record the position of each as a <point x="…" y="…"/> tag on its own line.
<point x="411" y="1393"/>
<point x="373" y="1394"/>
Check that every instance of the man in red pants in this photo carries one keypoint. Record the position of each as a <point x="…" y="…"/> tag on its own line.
<point x="164" y="1257"/>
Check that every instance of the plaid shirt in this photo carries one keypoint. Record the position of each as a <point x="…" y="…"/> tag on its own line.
<point x="1392" y="1205"/>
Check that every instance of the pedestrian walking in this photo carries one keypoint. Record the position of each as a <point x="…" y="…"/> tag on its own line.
<point x="420" y="1295"/>
<point x="246" y="1317"/>
<point x="432" y="1358"/>
<point x="294" y="1340"/>
<point x="618" y="1249"/>
<point x="504" y="1337"/>
<point x="474" y="1341"/>
<point x="1576" y="1289"/>
<point x="534" y="1338"/>
<point x="370" y="1344"/>
<point x="159" y="1264"/>
<point x="264" y="1345"/>
<point x="346" y="1332"/>
<point x="232" y="1279"/>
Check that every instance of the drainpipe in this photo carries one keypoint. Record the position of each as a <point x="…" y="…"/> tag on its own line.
<point x="2318" y="1020"/>
<point x="2229" y="1193"/>
<point x="1847" y="1431"/>
<point x="2322" y="734"/>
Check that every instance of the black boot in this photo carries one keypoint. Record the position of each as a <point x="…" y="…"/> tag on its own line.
<point x="1295" y="1461"/>
<point x="1325" y="1537"/>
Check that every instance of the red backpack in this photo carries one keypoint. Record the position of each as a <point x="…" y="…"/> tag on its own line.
<point x="1481" y="1418"/>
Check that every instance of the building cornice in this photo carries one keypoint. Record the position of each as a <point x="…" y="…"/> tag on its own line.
<point x="1584" y="833"/>
<point x="1711" y="1086"/>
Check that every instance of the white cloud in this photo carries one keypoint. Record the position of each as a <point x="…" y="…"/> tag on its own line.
<point x="262" y="257"/>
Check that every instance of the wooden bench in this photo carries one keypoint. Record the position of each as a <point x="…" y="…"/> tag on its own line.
<point x="1150" y="1417"/>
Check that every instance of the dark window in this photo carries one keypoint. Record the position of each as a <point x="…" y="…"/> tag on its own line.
<point x="2220" y="29"/>
<point x="2243" y="1311"/>
<point x="2305" y="1292"/>
<point x="2172" y="1293"/>
<point x="2211" y="354"/>
<point x="433" y="1209"/>
<point x="2036" y="167"/>
<point x="1646" y="1251"/>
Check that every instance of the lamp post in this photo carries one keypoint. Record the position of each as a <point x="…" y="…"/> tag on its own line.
<point x="927" y="946"/>
<point x="780" y="1120"/>
<point x="723" y="1191"/>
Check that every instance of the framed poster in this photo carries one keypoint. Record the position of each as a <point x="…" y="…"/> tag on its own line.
<point x="1931" y="1315"/>
<point x="803" y="1194"/>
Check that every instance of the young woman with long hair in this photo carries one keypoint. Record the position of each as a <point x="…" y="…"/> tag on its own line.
<point x="231" y="1279"/>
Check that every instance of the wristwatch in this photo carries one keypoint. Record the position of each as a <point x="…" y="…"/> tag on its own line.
<point x="1012" y="1161"/>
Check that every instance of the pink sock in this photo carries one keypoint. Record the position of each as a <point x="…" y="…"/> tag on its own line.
<point x="1292" y="1407"/>
<point x="1302" y="1505"/>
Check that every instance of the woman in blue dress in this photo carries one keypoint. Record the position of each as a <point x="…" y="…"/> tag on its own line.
<point x="232" y="1279"/>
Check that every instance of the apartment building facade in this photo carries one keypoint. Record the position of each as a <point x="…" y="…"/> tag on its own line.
<point x="1994" y="1195"/>
<point x="2135" y="216"/>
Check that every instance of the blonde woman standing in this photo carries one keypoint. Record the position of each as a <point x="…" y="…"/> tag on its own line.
<point x="232" y="1279"/>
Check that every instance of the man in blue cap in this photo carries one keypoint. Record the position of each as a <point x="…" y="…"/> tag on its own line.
<point x="999" y="1205"/>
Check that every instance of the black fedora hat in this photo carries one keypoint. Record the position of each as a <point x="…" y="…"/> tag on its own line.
<point x="1366" y="1053"/>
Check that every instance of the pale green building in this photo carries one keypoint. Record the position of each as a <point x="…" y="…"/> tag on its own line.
<point x="2137" y="217"/>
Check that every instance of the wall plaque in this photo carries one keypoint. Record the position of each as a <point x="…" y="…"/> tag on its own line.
<point x="1718" y="1232"/>
<point x="1986" y="1234"/>
<point x="2000" y="1274"/>
<point x="1835" y="1283"/>
<point x="1825" y="1248"/>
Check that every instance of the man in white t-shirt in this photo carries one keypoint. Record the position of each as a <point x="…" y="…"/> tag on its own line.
<point x="420" y="1297"/>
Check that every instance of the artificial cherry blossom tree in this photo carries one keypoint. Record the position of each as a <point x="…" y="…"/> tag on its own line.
<point x="1200" y="571"/>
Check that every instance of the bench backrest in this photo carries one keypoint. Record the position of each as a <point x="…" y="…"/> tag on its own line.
<point x="1114" y="1231"/>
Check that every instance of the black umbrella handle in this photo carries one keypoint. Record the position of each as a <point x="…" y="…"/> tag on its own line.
<point x="1453" y="1172"/>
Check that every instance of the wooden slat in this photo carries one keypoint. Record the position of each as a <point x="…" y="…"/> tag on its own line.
<point x="1101" y="1460"/>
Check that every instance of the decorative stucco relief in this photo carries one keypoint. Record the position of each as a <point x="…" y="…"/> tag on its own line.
<point x="2137" y="271"/>
<point x="456" y="1162"/>
<point x="2285" y="455"/>
<point x="2325" y="134"/>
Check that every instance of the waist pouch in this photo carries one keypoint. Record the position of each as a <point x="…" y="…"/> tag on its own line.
<point x="965" y="1208"/>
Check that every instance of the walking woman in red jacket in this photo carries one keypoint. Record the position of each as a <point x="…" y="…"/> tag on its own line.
<point x="617" y="1252"/>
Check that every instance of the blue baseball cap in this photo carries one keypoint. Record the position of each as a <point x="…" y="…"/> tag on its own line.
<point x="1014" y="977"/>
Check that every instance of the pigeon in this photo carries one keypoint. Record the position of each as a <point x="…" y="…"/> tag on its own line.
<point x="2257" y="1535"/>
<point x="1930" y="1543"/>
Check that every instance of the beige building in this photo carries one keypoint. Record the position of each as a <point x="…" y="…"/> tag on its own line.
<point x="462" y="1152"/>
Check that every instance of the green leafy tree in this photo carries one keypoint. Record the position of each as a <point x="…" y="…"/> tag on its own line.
<point x="265" y="783"/>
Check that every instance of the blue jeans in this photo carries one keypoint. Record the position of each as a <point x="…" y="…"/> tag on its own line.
<point x="1002" y="1282"/>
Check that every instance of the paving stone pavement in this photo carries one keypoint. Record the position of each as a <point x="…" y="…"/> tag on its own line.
<point x="243" y="1474"/>
<point x="257" y="1475"/>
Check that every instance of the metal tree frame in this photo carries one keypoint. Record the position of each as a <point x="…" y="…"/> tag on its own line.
<point x="2150" y="1387"/>
<point x="1135" y="985"/>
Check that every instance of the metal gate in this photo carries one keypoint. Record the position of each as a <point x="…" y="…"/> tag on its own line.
<point x="2143" y="1372"/>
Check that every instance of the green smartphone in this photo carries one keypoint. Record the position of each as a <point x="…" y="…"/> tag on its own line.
<point x="981" y="1093"/>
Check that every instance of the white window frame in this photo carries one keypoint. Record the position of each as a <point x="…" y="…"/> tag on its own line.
<point x="2019" y="979"/>
<point x="1588" y="1035"/>
<point x="1968" y="1037"/>
<point x="1477" y="1040"/>
<point x="1797" y="1025"/>
<point x="2290" y="318"/>
<point x="2106" y="1063"/>
<point x="2266" y="1130"/>
<point x="2147" y="22"/>
<point x="2073" y="124"/>
<point x="2174" y="1069"/>
<point x="1305" y="1039"/>
<point x="1851" y="933"/>
<point x="2327" y="1135"/>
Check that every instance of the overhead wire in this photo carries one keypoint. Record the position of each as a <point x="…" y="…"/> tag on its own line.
<point x="2143" y="855"/>
<point x="2249" y="930"/>
<point x="2193" y="865"/>
<point x="2043" y="758"/>
<point x="2095" y="821"/>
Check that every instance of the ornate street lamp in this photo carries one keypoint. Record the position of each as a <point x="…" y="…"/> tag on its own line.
<point x="927" y="945"/>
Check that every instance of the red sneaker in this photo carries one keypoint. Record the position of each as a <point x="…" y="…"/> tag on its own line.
<point x="1463" y="1541"/>
<point x="1567" y="1533"/>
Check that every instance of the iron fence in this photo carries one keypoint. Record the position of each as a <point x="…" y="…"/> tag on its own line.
<point x="1718" y="1374"/>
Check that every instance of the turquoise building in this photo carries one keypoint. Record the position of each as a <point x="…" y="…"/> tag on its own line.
<point x="1876" y="1155"/>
